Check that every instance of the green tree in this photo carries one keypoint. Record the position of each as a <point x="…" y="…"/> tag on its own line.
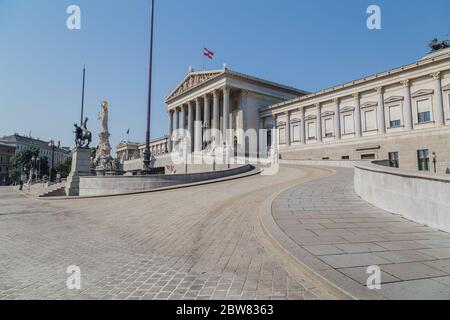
<point x="21" y="162"/>
<point x="64" y="167"/>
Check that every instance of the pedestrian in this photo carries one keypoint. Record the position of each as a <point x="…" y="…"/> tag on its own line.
<point x="20" y="185"/>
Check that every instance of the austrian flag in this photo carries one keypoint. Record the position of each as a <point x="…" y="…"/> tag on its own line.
<point x="208" y="53"/>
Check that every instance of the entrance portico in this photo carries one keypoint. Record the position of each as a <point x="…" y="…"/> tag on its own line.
<point x="208" y="103"/>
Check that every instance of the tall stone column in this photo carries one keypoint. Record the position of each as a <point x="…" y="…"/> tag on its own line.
<point x="226" y="114"/>
<point x="337" y="119"/>
<point x="190" y="128"/>
<point x="169" y="143"/>
<point x="207" y="118"/>
<point x="319" y="122"/>
<point x="438" y="101"/>
<point x="288" y="129"/>
<point x="358" y="126"/>
<point x="407" y="107"/>
<point x="380" y="111"/>
<point x="183" y="117"/>
<point x="198" y="126"/>
<point x="216" y="119"/>
<point x="303" y="126"/>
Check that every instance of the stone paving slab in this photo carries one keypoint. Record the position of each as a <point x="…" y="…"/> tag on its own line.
<point x="338" y="235"/>
<point x="193" y="243"/>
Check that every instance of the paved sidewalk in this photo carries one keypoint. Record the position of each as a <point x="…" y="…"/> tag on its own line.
<point x="338" y="235"/>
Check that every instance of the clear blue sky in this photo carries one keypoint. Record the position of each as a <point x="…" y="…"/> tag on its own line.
<point x="305" y="44"/>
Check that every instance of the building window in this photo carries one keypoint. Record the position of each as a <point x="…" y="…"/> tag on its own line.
<point x="395" y="116"/>
<point x="296" y="132"/>
<point x="423" y="111"/>
<point x="423" y="157"/>
<point x="393" y="160"/>
<point x="369" y="156"/>
<point x="349" y="127"/>
<point x="370" y="119"/>
<point x="329" y="128"/>
<point x="282" y="135"/>
<point x="311" y="130"/>
<point x="345" y="157"/>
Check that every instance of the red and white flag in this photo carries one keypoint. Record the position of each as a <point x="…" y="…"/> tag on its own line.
<point x="208" y="53"/>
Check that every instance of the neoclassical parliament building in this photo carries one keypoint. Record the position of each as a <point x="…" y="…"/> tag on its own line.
<point x="400" y="115"/>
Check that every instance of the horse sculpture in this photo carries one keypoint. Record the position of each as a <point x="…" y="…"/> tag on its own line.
<point x="83" y="137"/>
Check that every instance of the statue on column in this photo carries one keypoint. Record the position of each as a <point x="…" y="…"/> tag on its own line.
<point x="103" y="159"/>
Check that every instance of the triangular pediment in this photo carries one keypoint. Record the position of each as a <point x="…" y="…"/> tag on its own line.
<point x="310" y="117"/>
<point x="446" y="88"/>
<point x="422" y="92"/>
<point x="347" y="109"/>
<point x="328" y="113"/>
<point x="193" y="80"/>
<point x="369" y="104"/>
<point x="394" y="99"/>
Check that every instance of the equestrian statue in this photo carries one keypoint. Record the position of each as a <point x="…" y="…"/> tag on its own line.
<point x="83" y="137"/>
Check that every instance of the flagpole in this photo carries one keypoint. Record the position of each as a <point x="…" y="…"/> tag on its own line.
<point x="82" y="96"/>
<point x="147" y="154"/>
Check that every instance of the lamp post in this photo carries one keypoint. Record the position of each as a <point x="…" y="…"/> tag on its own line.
<point x="147" y="153"/>
<point x="53" y="147"/>
<point x="434" y="161"/>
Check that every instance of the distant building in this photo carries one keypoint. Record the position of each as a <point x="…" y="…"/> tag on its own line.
<point x="6" y="154"/>
<point x="21" y="142"/>
<point x="131" y="154"/>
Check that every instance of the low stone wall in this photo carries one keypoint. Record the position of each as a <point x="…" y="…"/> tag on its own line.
<point x="326" y="163"/>
<point x="419" y="197"/>
<point x="99" y="186"/>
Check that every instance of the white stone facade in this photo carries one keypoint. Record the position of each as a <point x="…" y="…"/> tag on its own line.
<point x="397" y="113"/>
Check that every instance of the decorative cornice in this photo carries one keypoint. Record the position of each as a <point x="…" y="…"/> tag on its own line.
<point x="281" y="124"/>
<point x="394" y="99"/>
<point x="446" y="88"/>
<point x="296" y="120"/>
<point x="369" y="104"/>
<point x="436" y="75"/>
<point x="422" y="92"/>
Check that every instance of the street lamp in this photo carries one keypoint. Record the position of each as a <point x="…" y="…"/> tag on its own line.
<point x="53" y="147"/>
<point x="434" y="161"/>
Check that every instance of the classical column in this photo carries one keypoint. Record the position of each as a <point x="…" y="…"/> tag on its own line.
<point x="358" y="126"/>
<point x="337" y="119"/>
<point x="226" y="114"/>
<point x="288" y="129"/>
<point x="198" y="126"/>
<point x="191" y="122"/>
<point x="303" y="126"/>
<point x="438" y="102"/>
<point x="407" y="107"/>
<point x="207" y="119"/>
<point x="319" y="122"/>
<point x="183" y="117"/>
<point x="216" y="119"/>
<point x="380" y="111"/>
<point x="169" y="145"/>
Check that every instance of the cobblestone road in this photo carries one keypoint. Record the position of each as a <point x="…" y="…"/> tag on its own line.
<point x="195" y="243"/>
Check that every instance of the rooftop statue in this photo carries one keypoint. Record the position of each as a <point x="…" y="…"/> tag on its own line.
<point x="437" y="45"/>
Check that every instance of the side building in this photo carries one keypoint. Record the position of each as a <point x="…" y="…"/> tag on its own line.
<point x="401" y="116"/>
<point x="6" y="154"/>
<point x="45" y="150"/>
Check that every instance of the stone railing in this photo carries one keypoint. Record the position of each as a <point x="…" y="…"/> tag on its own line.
<point x="422" y="198"/>
<point x="112" y="185"/>
<point x="326" y="163"/>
